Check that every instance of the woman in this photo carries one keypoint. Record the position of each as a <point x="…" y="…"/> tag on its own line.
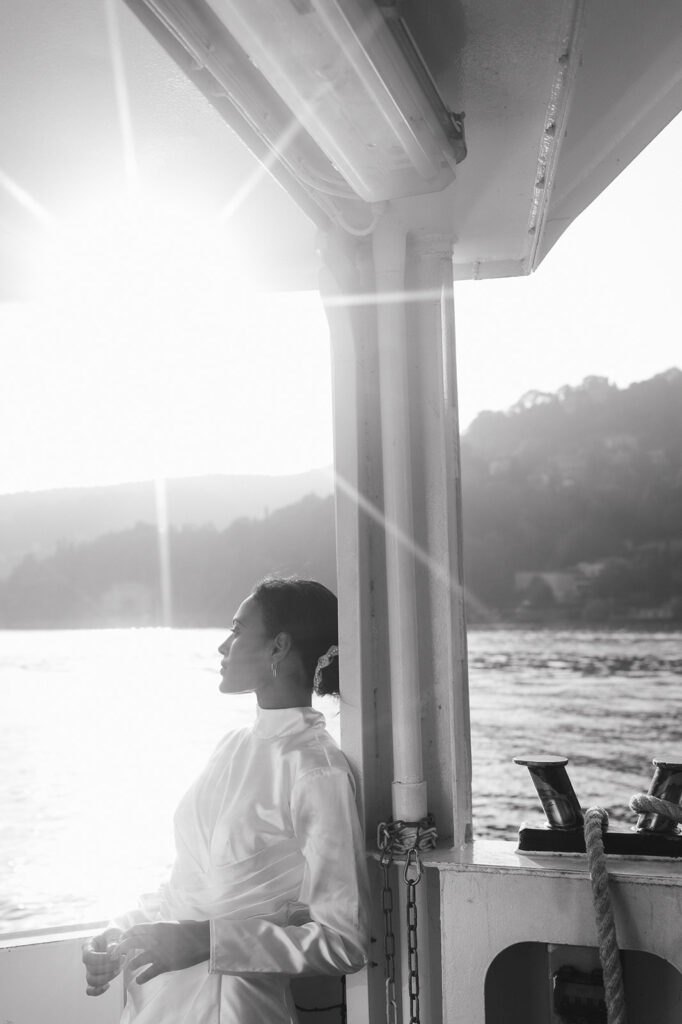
<point x="269" y="878"/>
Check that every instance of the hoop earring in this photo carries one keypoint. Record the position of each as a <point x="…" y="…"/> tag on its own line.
<point x="273" y="669"/>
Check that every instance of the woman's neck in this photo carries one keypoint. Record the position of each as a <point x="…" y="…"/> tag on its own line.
<point x="280" y="694"/>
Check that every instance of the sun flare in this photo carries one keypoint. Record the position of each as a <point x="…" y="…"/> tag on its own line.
<point x="135" y="262"/>
<point x="146" y="350"/>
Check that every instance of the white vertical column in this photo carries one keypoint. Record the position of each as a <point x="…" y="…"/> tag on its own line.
<point x="409" y="785"/>
<point x="347" y="275"/>
<point x="438" y="535"/>
<point x="409" y="790"/>
<point x="453" y="557"/>
<point x="401" y="602"/>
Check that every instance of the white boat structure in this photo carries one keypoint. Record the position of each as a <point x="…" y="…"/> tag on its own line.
<point x="427" y="143"/>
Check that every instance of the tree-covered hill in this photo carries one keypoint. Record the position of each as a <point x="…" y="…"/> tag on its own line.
<point x="577" y="494"/>
<point x="115" y="579"/>
<point x="589" y="474"/>
<point x="37" y="521"/>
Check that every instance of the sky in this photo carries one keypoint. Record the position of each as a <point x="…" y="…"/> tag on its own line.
<point x="116" y="373"/>
<point x="603" y="302"/>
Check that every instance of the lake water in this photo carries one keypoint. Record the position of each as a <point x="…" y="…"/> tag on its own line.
<point x="102" y="731"/>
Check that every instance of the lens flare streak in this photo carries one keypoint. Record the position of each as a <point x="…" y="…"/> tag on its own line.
<point x="164" y="550"/>
<point x="26" y="200"/>
<point x="384" y="298"/>
<point x="421" y="555"/>
<point x="122" y="96"/>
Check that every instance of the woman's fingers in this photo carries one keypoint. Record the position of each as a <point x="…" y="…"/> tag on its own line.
<point x="97" y="977"/>
<point x="142" y="957"/>
<point x="90" y="954"/>
<point x="162" y="946"/>
<point x="140" y="936"/>
<point x="142" y="941"/>
<point x="102" y="963"/>
<point x="95" y="990"/>
<point x="152" y="972"/>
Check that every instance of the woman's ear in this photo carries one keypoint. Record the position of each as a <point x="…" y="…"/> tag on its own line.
<point x="281" y="645"/>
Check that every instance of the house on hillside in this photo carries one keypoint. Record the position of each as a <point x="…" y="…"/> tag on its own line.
<point x="542" y="590"/>
<point x="589" y="571"/>
<point x="667" y="612"/>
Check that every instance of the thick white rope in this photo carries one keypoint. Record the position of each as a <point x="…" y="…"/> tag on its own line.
<point x="642" y="803"/>
<point x="596" y="822"/>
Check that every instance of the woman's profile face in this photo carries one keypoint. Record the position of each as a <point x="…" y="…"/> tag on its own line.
<point x="246" y="651"/>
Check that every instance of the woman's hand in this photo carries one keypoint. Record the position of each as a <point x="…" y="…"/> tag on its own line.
<point x="101" y="959"/>
<point x="165" y="946"/>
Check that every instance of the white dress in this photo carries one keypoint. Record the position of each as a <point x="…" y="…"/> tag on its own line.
<point x="269" y="849"/>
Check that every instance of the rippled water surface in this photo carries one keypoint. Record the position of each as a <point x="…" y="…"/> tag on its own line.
<point x="608" y="701"/>
<point x="101" y="732"/>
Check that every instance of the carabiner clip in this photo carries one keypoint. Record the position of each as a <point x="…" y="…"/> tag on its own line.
<point x="413" y="867"/>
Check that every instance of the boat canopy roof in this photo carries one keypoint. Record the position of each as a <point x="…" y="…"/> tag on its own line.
<point x="558" y="96"/>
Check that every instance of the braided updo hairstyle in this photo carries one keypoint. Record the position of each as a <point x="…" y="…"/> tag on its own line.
<point x="308" y="612"/>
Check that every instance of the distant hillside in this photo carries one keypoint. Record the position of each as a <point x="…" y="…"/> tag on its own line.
<point x="572" y="511"/>
<point x="115" y="579"/>
<point x="35" y="522"/>
<point x="587" y="475"/>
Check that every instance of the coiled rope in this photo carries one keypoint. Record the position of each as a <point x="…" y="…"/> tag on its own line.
<point x="642" y="803"/>
<point x="596" y="823"/>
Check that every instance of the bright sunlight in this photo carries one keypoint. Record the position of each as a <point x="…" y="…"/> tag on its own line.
<point x="146" y="352"/>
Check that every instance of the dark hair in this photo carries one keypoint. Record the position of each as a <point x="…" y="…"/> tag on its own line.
<point x="309" y="613"/>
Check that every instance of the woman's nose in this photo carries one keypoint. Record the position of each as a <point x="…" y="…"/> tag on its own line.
<point x="225" y="646"/>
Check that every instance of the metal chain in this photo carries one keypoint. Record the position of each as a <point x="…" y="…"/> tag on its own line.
<point x="403" y="837"/>
<point x="412" y="875"/>
<point x="384" y="844"/>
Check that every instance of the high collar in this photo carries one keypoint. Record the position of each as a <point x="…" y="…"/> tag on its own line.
<point x="271" y="722"/>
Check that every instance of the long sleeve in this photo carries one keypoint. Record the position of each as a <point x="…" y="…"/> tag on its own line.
<point x="327" y="931"/>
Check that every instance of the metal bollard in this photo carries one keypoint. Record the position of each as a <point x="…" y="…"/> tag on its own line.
<point x="666" y="785"/>
<point x="554" y="788"/>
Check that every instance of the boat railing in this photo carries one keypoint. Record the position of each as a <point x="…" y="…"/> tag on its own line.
<point x="42" y="979"/>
